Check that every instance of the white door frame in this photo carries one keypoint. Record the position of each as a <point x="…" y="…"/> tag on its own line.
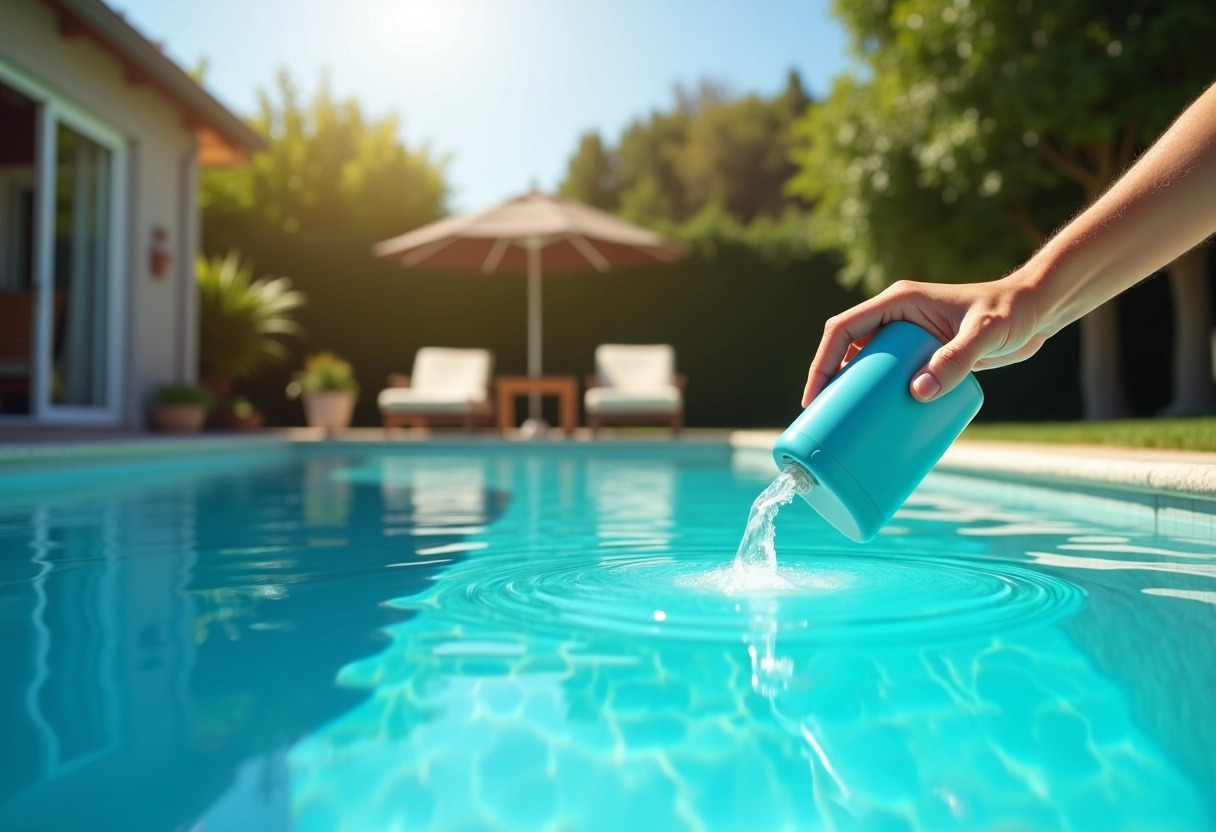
<point x="55" y="110"/>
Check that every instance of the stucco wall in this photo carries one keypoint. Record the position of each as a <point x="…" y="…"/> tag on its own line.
<point x="160" y="342"/>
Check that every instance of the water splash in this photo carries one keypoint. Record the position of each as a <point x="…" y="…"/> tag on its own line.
<point x="757" y="552"/>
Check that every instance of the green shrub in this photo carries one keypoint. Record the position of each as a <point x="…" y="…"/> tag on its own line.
<point x="185" y="394"/>
<point x="323" y="372"/>
<point x="242" y="408"/>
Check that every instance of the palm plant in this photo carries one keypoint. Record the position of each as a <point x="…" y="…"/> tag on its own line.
<point x="242" y="321"/>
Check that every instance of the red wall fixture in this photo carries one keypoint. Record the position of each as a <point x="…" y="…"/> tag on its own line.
<point x="158" y="254"/>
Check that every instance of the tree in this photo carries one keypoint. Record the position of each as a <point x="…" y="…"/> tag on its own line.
<point x="710" y="148"/>
<point x="329" y="171"/>
<point x="590" y="177"/>
<point x="648" y="176"/>
<point x="737" y="154"/>
<point x="791" y="104"/>
<point x="903" y="195"/>
<point x="984" y="123"/>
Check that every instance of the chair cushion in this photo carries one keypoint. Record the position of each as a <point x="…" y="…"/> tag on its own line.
<point x="646" y="367"/>
<point x="664" y="399"/>
<point x="452" y="373"/>
<point x="413" y="400"/>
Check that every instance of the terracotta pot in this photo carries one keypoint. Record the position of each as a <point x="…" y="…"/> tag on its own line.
<point x="179" y="418"/>
<point x="331" y="409"/>
<point x="251" y="422"/>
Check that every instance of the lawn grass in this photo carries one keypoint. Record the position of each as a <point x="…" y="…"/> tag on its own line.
<point x="1183" y="434"/>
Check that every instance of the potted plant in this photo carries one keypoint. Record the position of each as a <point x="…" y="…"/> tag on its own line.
<point x="181" y="408"/>
<point x="244" y="416"/>
<point x="243" y="323"/>
<point x="327" y="385"/>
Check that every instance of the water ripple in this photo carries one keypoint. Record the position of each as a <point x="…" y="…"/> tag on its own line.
<point x="816" y="599"/>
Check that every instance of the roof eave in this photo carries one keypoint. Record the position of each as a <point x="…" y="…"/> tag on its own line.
<point x="224" y="138"/>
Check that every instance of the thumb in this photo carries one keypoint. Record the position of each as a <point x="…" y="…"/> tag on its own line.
<point x="948" y="366"/>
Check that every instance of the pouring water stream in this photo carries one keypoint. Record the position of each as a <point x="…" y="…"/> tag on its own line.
<point x="755" y="565"/>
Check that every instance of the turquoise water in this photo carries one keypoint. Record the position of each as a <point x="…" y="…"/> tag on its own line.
<point x="420" y="638"/>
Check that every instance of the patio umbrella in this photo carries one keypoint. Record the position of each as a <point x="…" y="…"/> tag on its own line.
<point x="526" y="235"/>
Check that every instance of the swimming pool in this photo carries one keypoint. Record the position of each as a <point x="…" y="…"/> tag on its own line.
<point x="515" y="637"/>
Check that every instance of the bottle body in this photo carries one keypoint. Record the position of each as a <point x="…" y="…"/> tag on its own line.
<point x="866" y="442"/>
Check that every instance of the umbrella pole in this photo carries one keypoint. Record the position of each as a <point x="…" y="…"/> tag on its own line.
<point x="534" y="325"/>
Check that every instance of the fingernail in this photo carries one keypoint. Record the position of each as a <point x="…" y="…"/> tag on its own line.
<point x="925" y="387"/>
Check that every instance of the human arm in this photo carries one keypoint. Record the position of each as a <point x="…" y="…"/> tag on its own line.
<point x="1163" y="206"/>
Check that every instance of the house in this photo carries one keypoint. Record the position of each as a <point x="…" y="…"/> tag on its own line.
<point x="101" y="142"/>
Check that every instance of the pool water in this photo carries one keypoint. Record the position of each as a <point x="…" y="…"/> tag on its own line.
<point x="518" y="638"/>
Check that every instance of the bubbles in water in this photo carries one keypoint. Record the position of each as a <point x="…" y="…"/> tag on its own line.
<point x="740" y="578"/>
<point x="770" y="672"/>
<point x="757" y="579"/>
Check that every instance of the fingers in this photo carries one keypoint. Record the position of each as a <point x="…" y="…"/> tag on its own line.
<point x="838" y="334"/>
<point x="994" y="361"/>
<point x="951" y="363"/>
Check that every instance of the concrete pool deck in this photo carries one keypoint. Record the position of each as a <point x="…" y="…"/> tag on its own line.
<point x="1161" y="471"/>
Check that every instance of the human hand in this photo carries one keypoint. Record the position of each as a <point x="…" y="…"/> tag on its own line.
<point x="981" y="325"/>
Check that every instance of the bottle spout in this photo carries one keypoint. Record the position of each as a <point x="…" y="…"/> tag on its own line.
<point x="802" y="478"/>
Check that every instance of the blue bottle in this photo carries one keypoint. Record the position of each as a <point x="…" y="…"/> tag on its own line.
<point x="865" y="442"/>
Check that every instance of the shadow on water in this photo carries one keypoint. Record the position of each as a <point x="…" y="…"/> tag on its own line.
<point x="161" y="632"/>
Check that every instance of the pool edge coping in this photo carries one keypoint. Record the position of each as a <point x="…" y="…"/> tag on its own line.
<point x="132" y="448"/>
<point x="1135" y="469"/>
<point x="57" y="452"/>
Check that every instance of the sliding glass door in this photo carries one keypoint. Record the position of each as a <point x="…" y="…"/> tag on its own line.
<point x="79" y="279"/>
<point x="62" y="258"/>
<point x="79" y="287"/>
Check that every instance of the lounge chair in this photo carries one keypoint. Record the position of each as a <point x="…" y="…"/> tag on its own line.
<point x="635" y="384"/>
<point x="448" y="386"/>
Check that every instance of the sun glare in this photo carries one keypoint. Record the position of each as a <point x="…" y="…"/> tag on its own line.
<point x="425" y="27"/>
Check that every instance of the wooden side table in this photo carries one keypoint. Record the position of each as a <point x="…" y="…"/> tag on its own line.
<point x="564" y="387"/>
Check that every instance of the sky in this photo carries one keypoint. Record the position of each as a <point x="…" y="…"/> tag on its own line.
<point x="504" y="88"/>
